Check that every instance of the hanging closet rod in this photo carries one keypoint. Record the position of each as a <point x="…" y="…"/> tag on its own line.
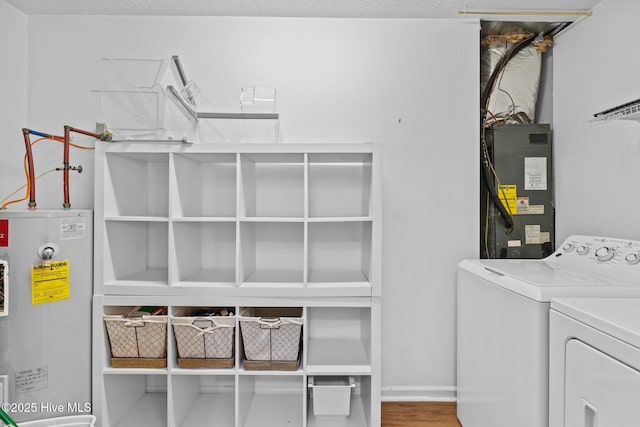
<point x="527" y="12"/>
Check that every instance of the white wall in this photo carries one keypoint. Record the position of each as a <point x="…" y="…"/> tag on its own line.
<point x="13" y="109"/>
<point x="596" y="67"/>
<point x="410" y="84"/>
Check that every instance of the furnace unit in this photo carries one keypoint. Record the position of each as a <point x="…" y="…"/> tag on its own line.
<point x="522" y="176"/>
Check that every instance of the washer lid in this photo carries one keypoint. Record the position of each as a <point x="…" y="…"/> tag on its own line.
<point x="618" y="317"/>
<point x="542" y="280"/>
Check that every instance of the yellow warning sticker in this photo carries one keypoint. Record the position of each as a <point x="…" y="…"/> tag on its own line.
<point x="508" y="196"/>
<point x="50" y="282"/>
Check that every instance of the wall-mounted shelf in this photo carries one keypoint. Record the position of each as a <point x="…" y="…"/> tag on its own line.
<point x="627" y="111"/>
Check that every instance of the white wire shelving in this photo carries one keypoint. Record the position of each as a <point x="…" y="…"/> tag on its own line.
<point x="627" y="111"/>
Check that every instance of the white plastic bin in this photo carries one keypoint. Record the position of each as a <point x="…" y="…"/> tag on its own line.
<point x="331" y="395"/>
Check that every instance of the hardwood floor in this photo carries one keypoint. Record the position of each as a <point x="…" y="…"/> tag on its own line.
<point x="418" y="414"/>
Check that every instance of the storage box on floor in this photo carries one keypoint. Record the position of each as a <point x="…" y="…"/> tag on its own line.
<point x="271" y="338"/>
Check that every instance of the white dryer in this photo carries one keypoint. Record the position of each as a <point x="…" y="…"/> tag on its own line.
<point x="594" y="362"/>
<point x="503" y="324"/>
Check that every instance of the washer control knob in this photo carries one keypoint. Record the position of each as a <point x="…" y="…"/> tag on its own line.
<point x="605" y="254"/>
<point x="582" y="250"/>
<point x="568" y="247"/>
<point x="632" y="258"/>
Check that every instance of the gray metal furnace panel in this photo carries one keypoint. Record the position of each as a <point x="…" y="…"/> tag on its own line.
<point x="522" y="159"/>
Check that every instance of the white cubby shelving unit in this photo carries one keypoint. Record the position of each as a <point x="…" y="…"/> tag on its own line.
<point x="240" y="226"/>
<point x="245" y="219"/>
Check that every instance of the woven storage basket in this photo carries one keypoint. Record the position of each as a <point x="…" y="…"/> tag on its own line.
<point x="271" y="338"/>
<point x="137" y="342"/>
<point x="204" y="341"/>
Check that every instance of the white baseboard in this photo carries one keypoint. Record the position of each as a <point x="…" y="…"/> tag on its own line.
<point x="418" y="394"/>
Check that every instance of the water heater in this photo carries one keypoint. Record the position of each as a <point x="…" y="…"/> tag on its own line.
<point x="45" y="315"/>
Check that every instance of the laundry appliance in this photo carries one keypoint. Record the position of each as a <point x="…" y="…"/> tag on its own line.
<point x="503" y="323"/>
<point x="594" y="362"/>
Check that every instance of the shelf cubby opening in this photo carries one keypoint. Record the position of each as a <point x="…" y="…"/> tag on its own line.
<point x="136" y="400"/>
<point x="271" y="253"/>
<point x="340" y="185"/>
<point x="205" y="252"/>
<point x="136" y="185"/>
<point x="137" y="251"/>
<point x="339" y="252"/>
<point x="339" y="340"/>
<point x="270" y="401"/>
<point x="206" y="185"/>
<point x="272" y="185"/>
<point x="201" y="400"/>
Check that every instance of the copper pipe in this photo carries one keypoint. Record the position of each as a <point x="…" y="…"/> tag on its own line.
<point x="84" y="132"/>
<point x="65" y="167"/>
<point x="32" y="174"/>
<point x="65" y="162"/>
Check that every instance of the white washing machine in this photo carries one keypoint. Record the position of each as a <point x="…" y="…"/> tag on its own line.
<point x="594" y="362"/>
<point x="503" y="324"/>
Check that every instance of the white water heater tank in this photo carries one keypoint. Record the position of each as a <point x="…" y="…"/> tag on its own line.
<point x="45" y="336"/>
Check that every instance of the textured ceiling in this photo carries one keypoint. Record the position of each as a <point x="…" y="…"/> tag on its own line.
<point x="308" y="8"/>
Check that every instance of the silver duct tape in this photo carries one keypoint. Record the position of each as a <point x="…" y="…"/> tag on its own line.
<point x="515" y="92"/>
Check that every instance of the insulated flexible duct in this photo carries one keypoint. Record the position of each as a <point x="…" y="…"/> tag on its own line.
<point x="484" y="100"/>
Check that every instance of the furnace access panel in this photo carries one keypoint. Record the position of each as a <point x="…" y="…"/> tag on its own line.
<point x="521" y="156"/>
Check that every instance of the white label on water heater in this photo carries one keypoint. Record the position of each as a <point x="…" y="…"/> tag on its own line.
<point x="32" y="379"/>
<point x="72" y="228"/>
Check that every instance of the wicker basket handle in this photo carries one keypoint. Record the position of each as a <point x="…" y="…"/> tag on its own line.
<point x="203" y="323"/>
<point x="134" y="323"/>
<point x="270" y="322"/>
